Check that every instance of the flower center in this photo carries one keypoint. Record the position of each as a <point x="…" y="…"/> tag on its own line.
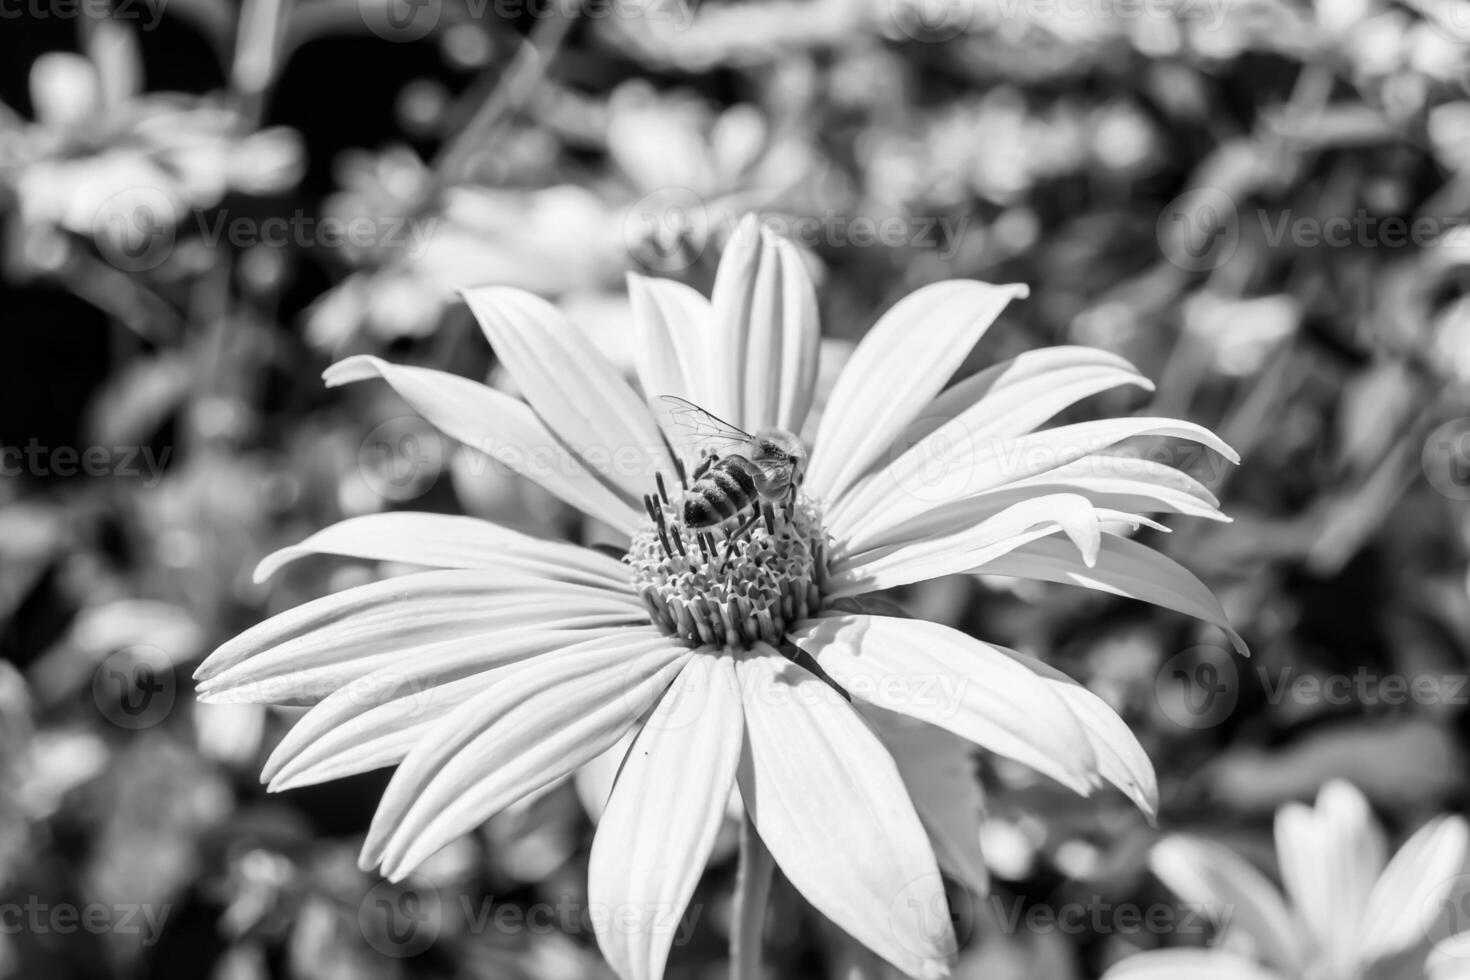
<point x="732" y="584"/>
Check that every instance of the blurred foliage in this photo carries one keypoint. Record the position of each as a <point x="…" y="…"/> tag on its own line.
<point x="1153" y="168"/>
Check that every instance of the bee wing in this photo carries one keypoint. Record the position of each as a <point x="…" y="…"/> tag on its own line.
<point x="690" y="429"/>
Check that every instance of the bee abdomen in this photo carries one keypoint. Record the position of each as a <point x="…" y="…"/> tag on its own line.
<point x="722" y="494"/>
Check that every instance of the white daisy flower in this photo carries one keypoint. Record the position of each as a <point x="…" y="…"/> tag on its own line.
<point x="738" y="659"/>
<point x="1348" y="912"/>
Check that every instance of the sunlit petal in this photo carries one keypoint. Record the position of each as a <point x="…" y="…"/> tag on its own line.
<point x="572" y="386"/>
<point x="446" y="541"/>
<point x="675" y="328"/>
<point x="303" y="654"/>
<point x="1239" y="897"/>
<point x="938" y="770"/>
<point x="765" y="313"/>
<point x="1330" y="856"/>
<point x="828" y="801"/>
<point x="946" y="678"/>
<point x="908" y="356"/>
<point x="502" y="428"/>
<point x="665" y="810"/>
<point x="541" y="720"/>
<point x="1124" y="568"/>
<point x="376" y="719"/>
<point x="1413" y="889"/>
<point x="856" y="569"/>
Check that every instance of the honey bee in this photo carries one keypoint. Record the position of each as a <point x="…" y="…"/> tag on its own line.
<point x="756" y="471"/>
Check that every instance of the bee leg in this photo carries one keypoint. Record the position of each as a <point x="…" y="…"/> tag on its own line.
<point x="740" y="532"/>
<point x="704" y="467"/>
<point x="769" y="513"/>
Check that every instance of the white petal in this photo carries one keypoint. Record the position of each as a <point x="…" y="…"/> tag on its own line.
<point x="956" y="471"/>
<point x="663" y="816"/>
<point x="943" y="677"/>
<point x="1005" y="401"/>
<point x="594" y="781"/>
<point x="447" y="541"/>
<point x="1330" y="856"/>
<point x="1120" y="759"/>
<point x="1413" y="889"/>
<point x="375" y="720"/>
<point x="301" y="655"/>
<point x="1125" y="568"/>
<point x="1109" y="482"/>
<point x="765" y="313"/>
<point x="938" y="770"/>
<point x="1204" y="873"/>
<point x="1189" y="964"/>
<point x="675" y="329"/>
<point x="502" y="428"/>
<point x="1450" y="959"/>
<point x="538" y="722"/>
<point x="900" y="365"/>
<point x="853" y="571"/>
<point x="572" y="387"/>
<point x="828" y="801"/>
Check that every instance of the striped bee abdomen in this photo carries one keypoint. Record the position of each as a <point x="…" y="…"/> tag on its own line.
<point x="720" y="494"/>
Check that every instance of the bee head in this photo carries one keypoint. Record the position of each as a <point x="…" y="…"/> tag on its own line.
<point x="784" y="449"/>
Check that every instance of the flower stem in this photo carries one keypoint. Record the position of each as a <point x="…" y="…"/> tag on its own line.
<point x="752" y="890"/>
